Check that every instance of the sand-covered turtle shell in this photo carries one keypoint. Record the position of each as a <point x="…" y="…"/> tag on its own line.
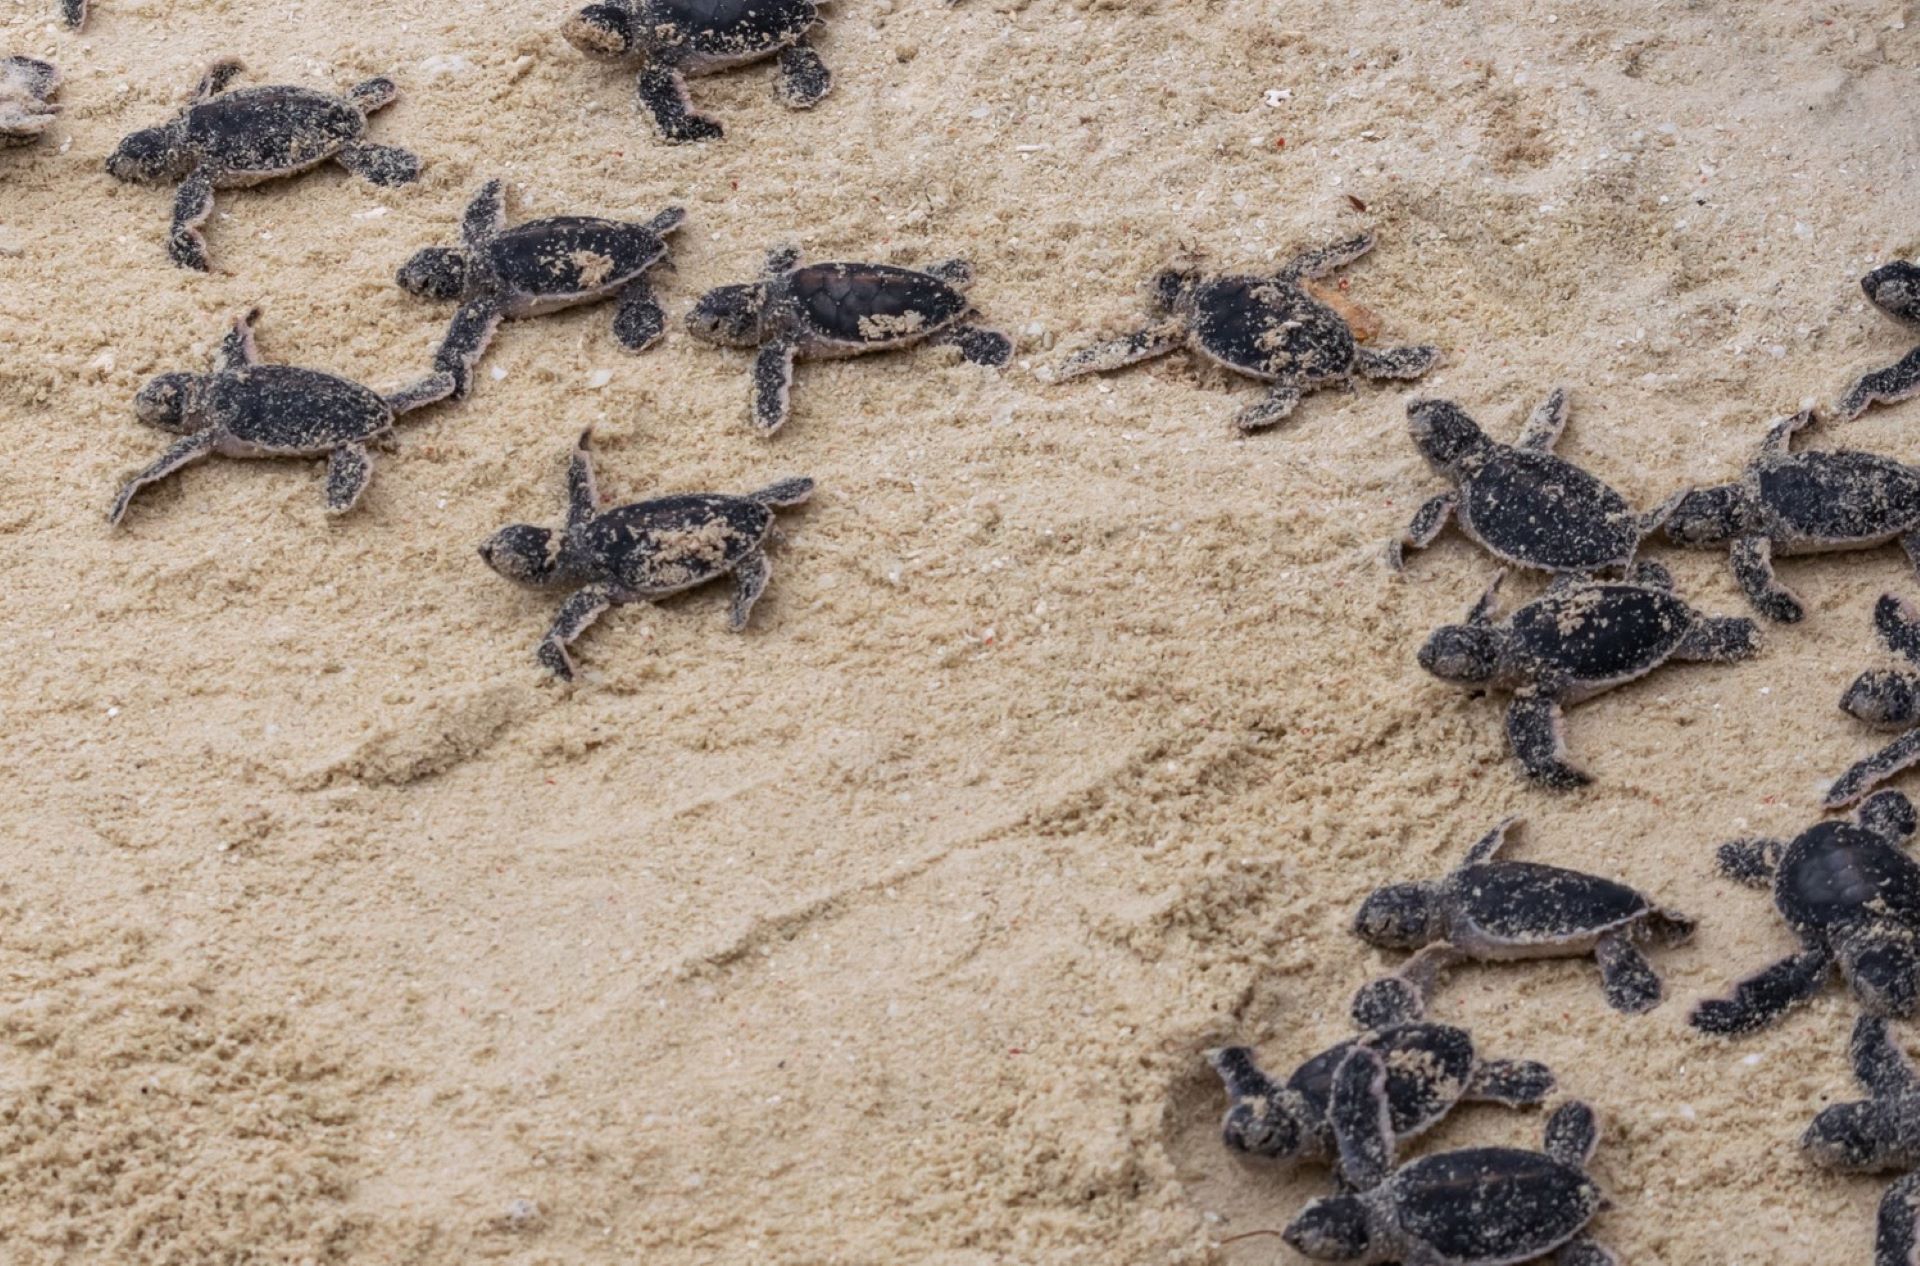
<point x="1526" y="903"/>
<point x="571" y="255"/>
<point x="724" y="30"/>
<point x="1428" y="1068"/>
<point x="1271" y="329"/>
<point x="1838" y="874"/>
<point x="1603" y="632"/>
<point x="1492" y="1204"/>
<point x="672" y="543"/>
<point x="871" y="305"/>
<point x="1836" y="498"/>
<point x="1543" y="511"/>
<point x="271" y="131"/>
<point x="282" y="408"/>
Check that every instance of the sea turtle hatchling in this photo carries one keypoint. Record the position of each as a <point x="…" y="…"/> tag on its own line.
<point x="640" y="552"/>
<point x="833" y="310"/>
<point x="1851" y="894"/>
<point x="226" y="140"/>
<point x="1491" y="910"/>
<point x="1894" y="289"/>
<point x="1519" y="502"/>
<point x="246" y="409"/>
<point x="535" y="268"/>
<point x="673" y="39"/>
<point x="1478" y="1206"/>
<point x="1813" y="502"/>
<point x="27" y="85"/>
<point x="1878" y="1134"/>
<point x="1278" y="328"/>
<point x="1578" y="639"/>
<point x="1887" y="699"/>
<point x="1430" y="1068"/>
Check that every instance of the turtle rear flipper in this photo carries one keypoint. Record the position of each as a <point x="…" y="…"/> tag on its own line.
<point x="432" y="389"/>
<point x="1582" y="1251"/>
<point x="1765" y="996"/>
<point x="1270" y="410"/>
<point x="638" y="320"/>
<point x="383" y="165"/>
<point x="1630" y="981"/>
<point x="1719" y="639"/>
<point x="1874" y="770"/>
<point x="979" y="345"/>
<point x="466" y="339"/>
<point x="374" y="94"/>
<point x="1572" y="1133"/>
<point x="772" y="386"/>
<point x="1882" y="1067"/>
<point x="750" y="577"/>
<point x="1397" y="362"/>
<point x="804" y="79"/>
<point x="1897" y="1230"/>
<point x="1752" y="558"/>
<point x="186" y="246"/>
<point x="1515" y="1083"/>
<point x="1130" y="349"/>
<point x="349" y="468"/>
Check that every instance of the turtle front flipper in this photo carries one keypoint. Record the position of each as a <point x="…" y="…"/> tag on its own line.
<point x="1544" y="424"/>
<point x="432" y="389"/>
<point x="485" y="216"/>
<point x="1488" y="846"/>
<point x="1718" y="639"/>
<point x="1536" y="732"/>
<point x="788" y="492"/>
<point x="663" y="92"/>
<point x="1882" y="1067"/>
<point x="373" y="95"/>
<point x="1869" y="773"/>
<point x="1323" y="260"/>
<point x="979" y="345"/>
<point x="382" y="165"/>
<point x="1513" y="1083"/>
<point x="583" y="493"/>
<point x="1362" y="1123"/>
<point x="579" y="611"/>
<point x="1131" y="349"/>
<point x="237" y="347"/>
<point x="638" y="320"/>
<point x="73" y="13"/>
<point x="1629" y="978"/>
<point x="804" y="79"/>
<point x="750" y="577"/>
<point x="466" y="341"/>
<point x="188" y="450"/>
<point x="1751" y="862"/>
<point x="1269" y="410"/>
<point x="1896" y="382"/>
<point x="1752" y="558"/>
<point x="349" y="467"/>
<point x="1427" y="523"/>
<point x="1898" y="624"/>
<point x="1396" y="362"/>
<point x="1764" y="997"/>
<point x="772" y="386"/>
<point x="191" y="207"/>
<point x="1897" y="1230"/>
<point x="218" y="78"/>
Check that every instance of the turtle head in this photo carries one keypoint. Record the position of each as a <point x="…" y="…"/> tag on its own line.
<point x="1330" y="1229"/>
<point x="1466" y="654"/>
<point x="438" y="272"/>
<point x="728" y="315"/>
<point x="1883" y="973"/>
<point x="1262" y="1119"/>
<point x="1895" y="289"/>
<point x="147" y="156"/>
<point x="166" y="402"/>
<point x="1711" y="516"/>
<point x="601" y="30"/>
<point x="1171" y="289"/>
<point x="1398" y="916"/>
<point x="522" y="552"/>
<point x="1883" y="697"/>
<point x="1852" y="1137"/>
<point x="1443" y="432"/>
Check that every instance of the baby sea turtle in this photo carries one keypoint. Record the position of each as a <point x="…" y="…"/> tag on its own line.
<point x="1576" y="640"/>
<point x="1431" y="1068"/>
<point x="1278" y="328"/>
<point x="640" y="552"/>
<point x="247" y="409"/>
<point x="1496" y="911"/>
<point x="1887" y="699"/>
<point x="1852" y="895"/>
<point x="1877" y="1134"/>
<point x="228" y="140"/>
<point x="535" y="268"/>
<point x="1800" y="503"/>
<point x="1478" y="1206"/>
<point x="1519" y="502"/>
<point x="835" y="310"/>
<point x="1894" y="289"/>
<point x="673" y="39"/>
<point x="27" y="85"/>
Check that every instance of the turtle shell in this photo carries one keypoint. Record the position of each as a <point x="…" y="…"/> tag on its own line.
<point x="1826" y="499"/>
<point x="1543" y="511"/>
<point x="659" y="547"/>
<point x="1271" y="329"/>
<point x="1492" y="1204"/>
<point x="1838" y="874"/>
<point x="872" y="305"/>
<point x="1527" y="903"/>
<point x="1428" y="1066"/>
<point x="263" y="132"/>
<point x="718" y="32"/>
<point x="571" y="255"/>
<point x="1603" y="632"/>
<point x="283" y="409"/>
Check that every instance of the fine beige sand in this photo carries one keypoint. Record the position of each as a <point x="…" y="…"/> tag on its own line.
<point x="1072" y="727"/>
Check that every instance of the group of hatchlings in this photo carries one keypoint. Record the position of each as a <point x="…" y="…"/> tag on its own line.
<point x="1846" y="887"/>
